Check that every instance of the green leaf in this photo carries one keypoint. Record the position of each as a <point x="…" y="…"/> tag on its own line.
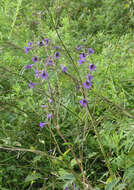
<point x="68" y="143"/>
<point x="65" y="153"/>
<point x="3" y="188"/>
<point x="112" y="184"/>
<point x="92" y="154"/>
<point x="67" y="176"/>
<point x="73" y="162"/>
<point x="120" y="186"/>
<point x="37" y="158"/>
<point x="32" y="177"/>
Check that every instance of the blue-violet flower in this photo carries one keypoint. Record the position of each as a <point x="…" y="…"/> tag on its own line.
<point x="91" y="51"/>
<point x="29" y="44"/>
<point x="40" y="43"/>
<point x="63" y="68"/>
<point x="43" y="75"/>
<point x="79" y="48"/>
<point x="31" y="85"/>
<point x="50" y="101"/>
<point x="81" y="61"/>
<point x="46" y="41"/>
<point x="84" y="102"/>
<point x="89" y="77"/>
<point x="57" y="47"/>
<point x="35" y="59"/>
<point x="27" y="49"/>
<point x="50" y="62"/>
<point x="49" y="115"/>
<point x="37" y="73"/>
<point x="42" y="124"/>
<point x="92" y="67"/>
<point x="82" y="55"/>
<point x="87" y="84"/>
<point x="29" y="66"/>
<point x="57" y="55"/>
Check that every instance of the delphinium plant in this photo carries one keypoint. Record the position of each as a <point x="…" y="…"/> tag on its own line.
<point x="71" y="105"/>
<point x="55" y="79"/>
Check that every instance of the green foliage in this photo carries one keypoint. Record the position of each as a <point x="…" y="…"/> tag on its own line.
<point x="28" y="155"/>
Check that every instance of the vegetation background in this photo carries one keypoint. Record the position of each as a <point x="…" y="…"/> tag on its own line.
<point x="71" y="152"/>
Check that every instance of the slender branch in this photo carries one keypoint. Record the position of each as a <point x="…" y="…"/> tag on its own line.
<point x="125" y="112"/>
<point x="26" y="150"/>
<point x="43" y="92"/>
<point x="100" y="144"/>
<point x="66" y="50"/>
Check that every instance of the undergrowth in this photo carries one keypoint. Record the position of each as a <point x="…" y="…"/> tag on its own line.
<point x="67" y="118"/>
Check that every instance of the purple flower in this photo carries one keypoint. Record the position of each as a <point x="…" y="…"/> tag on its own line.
<point x="92" y="67"/>
<point x="31" y="85"/>
<point x="42" y="124"/>
<point x="40" y="43"/>
<point x="91" y="51"/>
<point x="29" y="66"/>
<point x="49" y="115"/>
<point x="89" y="77"/>
<point x="87" y="84"/>
<point x="37" y="73"/>
<point x="81" y="61"/>
<point x="46" y="41"/>
<point x="50" y="101"/>
<point x="57" y="55"/>
<point x="78" y="87"/>
<point x="43" y="75"/>
<point x="27" y="49"/>
<point x="66" y="188"/>
<point x="49" y="151"/>
<point x="84" y="39"/>
<point x="74" y="187"/>
<point x="57" y="47"/>
<point x="79" y="48"/>
<point x="63" y="68"/>
<point x="29" y="44"/>
<point x="83" y="102"/>
<point x="50" y="62"/>
<point x="46" y="179"/>
<point x="43" y="106"/>
<point x="82" y="55"/>
<point x="82" y="58"/>
<point x="35" y="59"/>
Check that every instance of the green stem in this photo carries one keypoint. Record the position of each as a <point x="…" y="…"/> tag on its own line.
<point x="16" y="14"/>
<point x="100" y="144"/>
